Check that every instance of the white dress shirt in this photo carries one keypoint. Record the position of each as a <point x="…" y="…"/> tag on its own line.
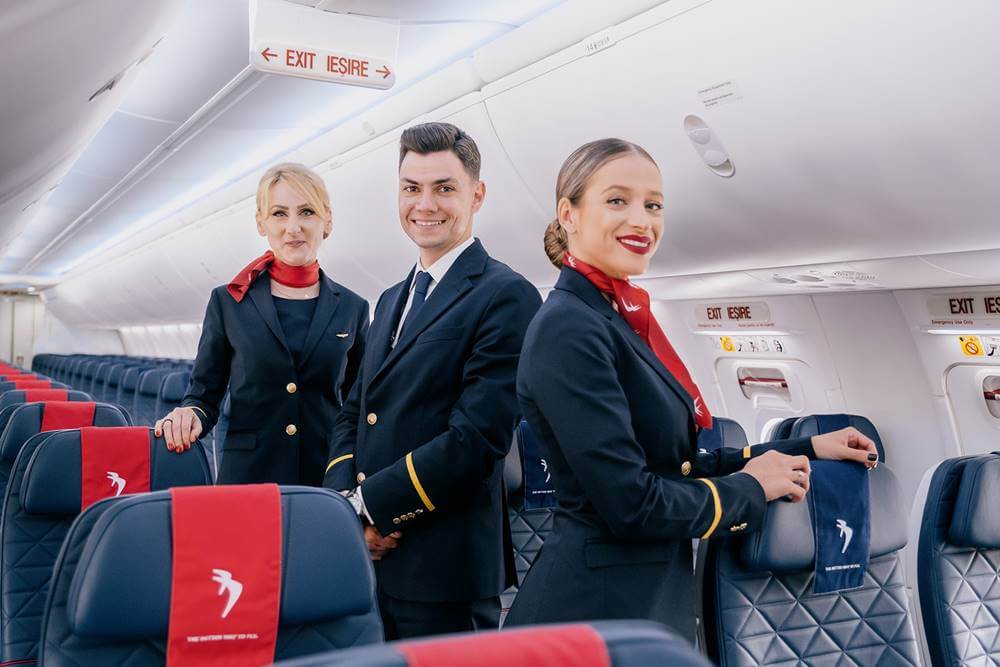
<point x="437" y="270"/>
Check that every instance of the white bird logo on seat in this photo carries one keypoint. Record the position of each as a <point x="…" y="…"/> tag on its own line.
<point x="117" y="481"/>
<point x="846" y="532"/>
<point x="227" y="584"/>
<point x="545" y="469"/>
<point x="697" y="406"/>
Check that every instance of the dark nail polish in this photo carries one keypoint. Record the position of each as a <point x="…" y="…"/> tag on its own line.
<point x="873" y="457"/>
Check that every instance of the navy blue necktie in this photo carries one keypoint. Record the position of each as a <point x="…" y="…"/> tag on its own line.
<point x="420" y="285"/>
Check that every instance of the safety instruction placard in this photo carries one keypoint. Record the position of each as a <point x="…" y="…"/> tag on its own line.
<point x="734" y="315"/>
<point x="750" y="344"/>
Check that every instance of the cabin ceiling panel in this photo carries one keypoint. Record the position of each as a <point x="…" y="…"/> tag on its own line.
<point x="86" y="46"/>
<point x="207" y="48"/>
<point x="120" y="145"/>
<point x="260" y="119"/>
<point x="511" y="222"/>
<point x="838" y="141"/>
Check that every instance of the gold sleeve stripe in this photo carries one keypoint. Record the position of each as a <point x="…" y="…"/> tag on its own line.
<point x="203" y="413"/>
<point x="339" y="459"/>
<point x="416" y="483"/>
<point x="746" y="452"/>
<point x="718" y="508"/>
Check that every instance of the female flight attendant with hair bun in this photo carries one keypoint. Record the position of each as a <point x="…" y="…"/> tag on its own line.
<point x="285" y="339"/>
<point x="617" y="413"/>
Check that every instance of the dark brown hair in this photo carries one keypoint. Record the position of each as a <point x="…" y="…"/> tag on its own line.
<point x="574" y="175"/>
<point x="433" y="137"/>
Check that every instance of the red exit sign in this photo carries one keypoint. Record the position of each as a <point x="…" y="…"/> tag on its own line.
<point x="324" y="65"/>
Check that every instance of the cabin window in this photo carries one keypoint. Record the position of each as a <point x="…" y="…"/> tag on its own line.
<point x="758" y="382"/>
<point x="991" y="394"/>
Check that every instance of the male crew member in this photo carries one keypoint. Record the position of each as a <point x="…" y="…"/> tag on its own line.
<point x="418" y="447"/>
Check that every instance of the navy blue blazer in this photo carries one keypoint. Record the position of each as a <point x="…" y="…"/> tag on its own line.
<point x="428" y="424"/>
<point x="280" y="415"/>
<point x="618" y="434"/>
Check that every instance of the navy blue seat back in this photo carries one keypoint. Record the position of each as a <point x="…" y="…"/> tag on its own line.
<point x="110" y="597"/>
<point x="87" y="371"/>
<point x="172" y="391"/>
<point x="11" y="386"/>
<point x="100" y="378"/>
<point x="724" y="433"/>
<point x="783" y="430"/>
<point x="11" y="400"/>
<point x="16" y="397"/>
<point x="115" y="374"/>
<point x="42" y="499"/>
<point x="528" y="527"/>
<point x="127" y="386"/>
<point x="146" y="392"/>
<point x="26" y="421"/>
<point x="811" y="425"/>
<point x="758" y="604"/>
<point x="72" y="372"/>
<point x="958" y="562"/>
<point x="629" y="644"/>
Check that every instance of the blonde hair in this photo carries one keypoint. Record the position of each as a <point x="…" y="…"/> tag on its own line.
<point x="574" y="175"/>
<point x="304" y="180"/>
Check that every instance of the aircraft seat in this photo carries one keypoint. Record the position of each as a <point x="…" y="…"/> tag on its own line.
<point x="958" y="562"/>
<point x="109" y="603"/>
<point x="115" y="374"/>
<point x="815" y="424"/>
<point x="26" y="422"/>
<point x="127" y="384"/>
<point x="724" y="433"/>
<point x="11" y="400"/>
<point x="172" y="391"/>
<point x="759" y="608"/>
<point x="100" y="378"/>
<point x="41" y="501"/>
<point x="147" y="390"/>
<point x="780" y="429"/>
<point x="528" y="527"/>
<point x="31" y="384"/>
<point x="628" y="643"/>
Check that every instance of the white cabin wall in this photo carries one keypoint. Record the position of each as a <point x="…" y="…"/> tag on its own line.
<point x="18" y="324"/>
<point x="56" y="337"/>
<point x="881" y="378"/>
<point x="172" y="341"/>
<point x="851" y="353"/>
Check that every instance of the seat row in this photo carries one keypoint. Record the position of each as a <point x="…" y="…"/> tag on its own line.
<point x="88" y="581"/>
<point x="141" y="385"/>
<point x="147" y="388"/>
<point x="758" y="607"/>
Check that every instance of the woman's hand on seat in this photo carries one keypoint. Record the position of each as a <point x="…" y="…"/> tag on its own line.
<point x="847" y="444"/>
<point x="780" y="475"/>
<point x="180" y="428"/>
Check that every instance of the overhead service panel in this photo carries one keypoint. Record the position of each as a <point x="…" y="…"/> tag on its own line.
<point x="301" y="41"/>
<point x="708" y="146"/>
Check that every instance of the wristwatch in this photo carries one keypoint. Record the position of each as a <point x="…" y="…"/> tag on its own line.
<point x="356" y="501"/>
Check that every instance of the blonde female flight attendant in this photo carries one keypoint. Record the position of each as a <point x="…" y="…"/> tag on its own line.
<point x="616" y="413"/>
<point x="284" y="338"/>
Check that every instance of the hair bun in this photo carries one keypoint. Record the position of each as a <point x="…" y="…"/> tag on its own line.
<point x="556" y="243"/>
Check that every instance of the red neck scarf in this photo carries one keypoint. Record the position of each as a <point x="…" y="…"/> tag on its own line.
<point x="286" y="274"/>
<point x="633" y="306"/>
